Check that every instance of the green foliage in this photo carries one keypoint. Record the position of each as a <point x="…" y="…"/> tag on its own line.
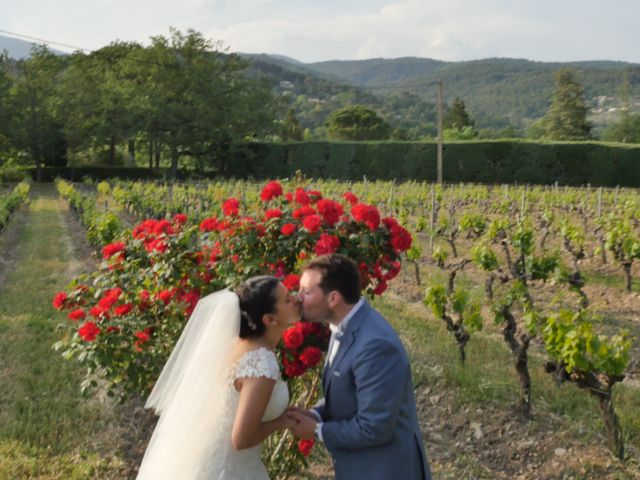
<point x="439" y="255"/>
<point x="484" y="257"/>
<point x="463" y="133"/>
<point x="357" y="122"/>
<point x="436" y="298"/>
<point x="569" y="338"/>
<point x="473" y="224"/>
<point x="566" y="118"/>
<point x="457" y="116"/>
<point x="542" y="267"/>
<point x="101" y="227"/>
<point x="8" y="203"/>
<point x="522" y="238"/>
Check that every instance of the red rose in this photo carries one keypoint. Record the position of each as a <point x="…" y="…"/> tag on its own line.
<point x="311" y="357"/>
<point x="389" y="222"/>
<point x="367" y="214"/>
<point x="123" y="309"/>
<point x="179" y="219"/>
<point x="293" y="369"/>
<point x="111" y="328"/>
<point x="291" y="281"/>
<point x="312" y="223"/>
<point x="327" y="244"/>
<point x="156" y="245"/>
<point x="288" y="229"/>
<point x="393" y="268"/>
<point x="273" y="213"/>
<point x="230" y="207"/>
<point x="98" y="312"/>
<point x="289" y="197"/>
<point x="301" y="197"/>
<point x="350" y="197"/>
<point x="292" y="338"/>
<point x="88" y="331"/>
<point x="107" y="302"/>
<point x="209" y="224"/>
<point x="272" y="190"/>
<point x="76" y="315"/>
<point x="310" y="328"/>
<point x="109" y="250"/>
<point x="380" y="288"/>
<point x="113" y="292"/>
<point x="314" y="195"/>
<point x="143" y="336"/>
<point x="304" y="211"/>
<point x="330" y="211"/>
<point x="400" y="239"/>
<point x="163" y="226"/>
<point x="59" y="300"/>
<point x="190" y="299"/>
<point x="165" y="296"/>
<point x="305" y="446"/>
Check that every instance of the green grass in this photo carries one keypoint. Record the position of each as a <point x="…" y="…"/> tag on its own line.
<point x="616" y="281"/>
<point x="47" y="430"/>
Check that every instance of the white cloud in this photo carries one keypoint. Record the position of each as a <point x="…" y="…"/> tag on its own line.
<point x="348" y="29"/>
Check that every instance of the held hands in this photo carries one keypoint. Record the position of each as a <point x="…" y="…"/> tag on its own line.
<point x="305" y="422"/>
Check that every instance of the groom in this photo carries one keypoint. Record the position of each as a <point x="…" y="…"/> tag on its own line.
<point x="367" y="418"/>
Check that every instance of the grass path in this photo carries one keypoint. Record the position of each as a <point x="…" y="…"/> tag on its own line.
<point x="47" y="430"/>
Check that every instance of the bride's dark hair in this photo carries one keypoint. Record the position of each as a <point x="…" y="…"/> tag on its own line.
<point x="257" y="298"/>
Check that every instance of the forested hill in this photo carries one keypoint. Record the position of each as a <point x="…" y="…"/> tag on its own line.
<point x="497" y="92"/>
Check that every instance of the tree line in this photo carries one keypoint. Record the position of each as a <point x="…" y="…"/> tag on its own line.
<point x="182" y="97"/>
<point x="184" y="100"/>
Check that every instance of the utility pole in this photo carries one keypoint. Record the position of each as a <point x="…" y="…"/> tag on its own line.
<point x="440" y="100"/>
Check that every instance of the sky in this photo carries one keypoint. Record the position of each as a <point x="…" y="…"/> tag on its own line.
<point x="318" y="30"/>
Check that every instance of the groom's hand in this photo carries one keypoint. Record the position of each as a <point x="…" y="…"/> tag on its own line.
<point x="302" y="411"/>
<point x="306" y="425"/>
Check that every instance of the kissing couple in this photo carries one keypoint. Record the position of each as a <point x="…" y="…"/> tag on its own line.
<point x="220" y="393"/>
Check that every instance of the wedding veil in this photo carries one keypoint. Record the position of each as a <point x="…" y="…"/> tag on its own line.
<point x="191" y="393"/>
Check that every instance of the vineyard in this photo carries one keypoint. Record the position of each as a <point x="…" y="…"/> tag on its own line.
<point x="518" y="305"/>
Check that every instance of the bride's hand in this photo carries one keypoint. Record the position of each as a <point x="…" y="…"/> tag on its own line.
<point x="287" y="422"/>
<point x="302" y="411"/>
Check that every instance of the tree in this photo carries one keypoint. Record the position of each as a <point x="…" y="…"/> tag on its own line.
<point x="99" y="98"/>
<point x="197" y="100"/>
<point x="357" y="122"/>
<point x="627" y="129"/>
<point x="566" y="118"/>
<point x="457" y="116"/>
<point x="38" y="121"/>
<point x="291" y="129"/>
<point x="6" y="112"/>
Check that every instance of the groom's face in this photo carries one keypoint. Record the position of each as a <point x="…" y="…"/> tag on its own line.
<point x="313" y="300"/>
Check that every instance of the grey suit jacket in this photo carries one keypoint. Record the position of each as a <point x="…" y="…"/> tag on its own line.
<point x="370" y="424"/>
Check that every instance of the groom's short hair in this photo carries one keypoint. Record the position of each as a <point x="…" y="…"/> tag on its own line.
<point x="339" y="273"/>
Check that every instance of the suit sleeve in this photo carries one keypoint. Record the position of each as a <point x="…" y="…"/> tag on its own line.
<point x="380" y="372"/>
<point x="318" y="409"/>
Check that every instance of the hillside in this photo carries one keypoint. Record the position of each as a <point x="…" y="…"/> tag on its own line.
<point x="16" y="48"/>
<point x="498" y="92"/>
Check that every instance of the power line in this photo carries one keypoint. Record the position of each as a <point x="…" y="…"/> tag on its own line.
<point x="42" y="40"/>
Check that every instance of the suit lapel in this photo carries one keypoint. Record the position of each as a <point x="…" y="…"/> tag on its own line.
<point x="346" y="342"/>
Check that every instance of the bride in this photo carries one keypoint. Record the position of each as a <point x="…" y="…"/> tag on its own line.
<point x="220" y="393"/>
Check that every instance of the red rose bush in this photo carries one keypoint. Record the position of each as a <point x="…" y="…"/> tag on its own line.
<point x="124" y="318"/>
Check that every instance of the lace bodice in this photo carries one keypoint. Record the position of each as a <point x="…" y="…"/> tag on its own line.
<point x="263" y="363"/>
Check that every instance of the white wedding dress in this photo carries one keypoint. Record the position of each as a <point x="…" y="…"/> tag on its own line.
<point x="247" y="464"/>
<point x="196" y="400"/>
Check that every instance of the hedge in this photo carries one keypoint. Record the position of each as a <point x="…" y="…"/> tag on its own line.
<point x="494" y="161"/>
